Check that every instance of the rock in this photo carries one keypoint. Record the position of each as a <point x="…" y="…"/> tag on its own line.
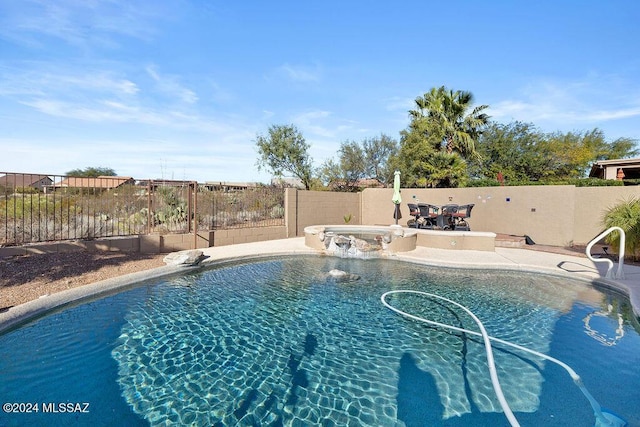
<point x="337" y="273"/>
<point x="340" y="240"/>
<point x="360" y="244"/>
<point x="186" y="258"/>
<point x="343" y="276"/>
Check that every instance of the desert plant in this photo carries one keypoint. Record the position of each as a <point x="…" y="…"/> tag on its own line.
<point x="277" y="211"/>
<point x="222" y="219"/>
<point x="625" y="215"/>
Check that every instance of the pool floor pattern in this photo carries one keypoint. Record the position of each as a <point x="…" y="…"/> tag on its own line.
<point x="281" y="342"/>
<point x="284" y="343"/>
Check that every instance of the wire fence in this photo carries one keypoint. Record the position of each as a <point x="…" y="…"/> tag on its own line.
<point x="40" y="208"/>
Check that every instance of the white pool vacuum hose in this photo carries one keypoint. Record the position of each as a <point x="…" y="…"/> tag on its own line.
<point x="602" y="418"/>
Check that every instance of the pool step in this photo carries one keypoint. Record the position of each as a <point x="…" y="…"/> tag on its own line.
<point x="510" y="241"/>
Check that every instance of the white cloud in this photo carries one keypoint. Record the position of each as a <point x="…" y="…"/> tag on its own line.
<point x="400" y="104"/>
<point x="300" y="73"/>
<point x="593" y="99"/>
<point x="103" y="95"/>
<point x="311" y="116"/>
<point x="616" y="114"/>
<point x="170" y="86"/>
<point x="314" y="122"/>
<point x="38" y="78"/>
<point x="80" y="23"/>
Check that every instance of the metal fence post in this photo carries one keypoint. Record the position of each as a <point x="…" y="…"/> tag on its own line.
<point x="195" y="214"/>
<point x="149" y="207"/>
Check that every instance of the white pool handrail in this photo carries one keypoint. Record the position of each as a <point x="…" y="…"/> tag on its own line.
<point x="619" y="274"/>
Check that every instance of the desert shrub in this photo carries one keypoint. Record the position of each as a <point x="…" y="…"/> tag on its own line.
<point x="248" y="216"/>
<point x="625" y="215"/>
<point x="26" y="190"/>
<point x="578" y="182"/>
<point x="277" y="212"/>
<point x="482" y="182"/>
<point x="26" y="207"/>
<point x="223" y="219"/>
<point x="594" y="182"/>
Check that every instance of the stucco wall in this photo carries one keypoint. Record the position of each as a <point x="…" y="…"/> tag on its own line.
<point x="320" y="207"/>
<point x="592" y="203"/>
<point x="154" y="243"/>
<point x="551" y="215"/>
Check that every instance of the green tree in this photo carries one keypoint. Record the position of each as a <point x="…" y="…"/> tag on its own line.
<point x="92" y="172"/>
<point x="285" y="150"/>
<point x="521" y="152"/>
<point x="442" y="133"/>
<point x="625" y="215"/>
<point x="344" y="173"/>
<point x="414" y="157"/>
<point x="514" y="150"/>
<point x="378" y="153"/>
<point x="356" y="161"/>
<point x="446" y="116"/>
<point x="445" y="170"/>
<point x="575" y="152"/>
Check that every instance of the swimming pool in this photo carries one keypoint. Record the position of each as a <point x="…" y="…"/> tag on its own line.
<point x="282" y="342"/>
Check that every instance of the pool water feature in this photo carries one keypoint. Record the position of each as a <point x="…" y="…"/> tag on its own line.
<point x="281" y="342"/>
<point x="360" y="241"/>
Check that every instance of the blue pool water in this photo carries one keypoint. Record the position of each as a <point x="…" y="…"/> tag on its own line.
<point x="281" y="342"/>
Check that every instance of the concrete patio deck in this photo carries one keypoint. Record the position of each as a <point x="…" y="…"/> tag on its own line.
<point x="503" y="258"/>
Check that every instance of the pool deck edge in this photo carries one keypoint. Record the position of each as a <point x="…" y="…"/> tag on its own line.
<point x="501" y="258"/>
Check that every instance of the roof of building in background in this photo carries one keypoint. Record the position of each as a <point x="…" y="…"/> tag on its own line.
<point x="22" y="180"/>
<point x="608" y="169"/>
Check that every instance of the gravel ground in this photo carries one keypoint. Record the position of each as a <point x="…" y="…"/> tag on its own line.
<point x="25" y="278"/>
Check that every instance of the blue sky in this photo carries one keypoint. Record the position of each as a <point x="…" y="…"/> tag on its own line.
<point x="179" y="89"/>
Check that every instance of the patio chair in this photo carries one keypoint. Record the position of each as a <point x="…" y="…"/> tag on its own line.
<point x="446" y="219"/>
<point x="424" y="215"/>
<point x="460" y="216"/>
<point x="429" y="213"/>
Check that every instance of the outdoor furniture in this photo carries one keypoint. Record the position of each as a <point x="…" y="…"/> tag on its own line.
<point x="415" y="213"/>
<point x="429" y="212"/>
<point x="446" y="219"/>
<point x="425" y="215"/>
<point x="463" y="212"/>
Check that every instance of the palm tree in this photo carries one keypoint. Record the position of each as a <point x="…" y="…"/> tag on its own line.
<point x="625" y="215"/>
<point x="445" y="170"/>
<point x="444" y="115"/>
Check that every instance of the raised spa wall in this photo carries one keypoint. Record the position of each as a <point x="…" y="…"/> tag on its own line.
<point x="409" y="238"/>
<point x="462" y="240"/>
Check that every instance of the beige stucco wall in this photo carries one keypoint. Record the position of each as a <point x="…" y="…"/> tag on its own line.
<point x="179" y="242"/>
<point x="247" y="235"/>
<point x="551" y="215"/>
<point x="593" y="202"/>
<point x="154" y="243"/>
<point x="319" y="207"/>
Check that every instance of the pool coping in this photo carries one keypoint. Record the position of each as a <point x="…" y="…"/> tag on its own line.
<point x="501" y="259"/>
